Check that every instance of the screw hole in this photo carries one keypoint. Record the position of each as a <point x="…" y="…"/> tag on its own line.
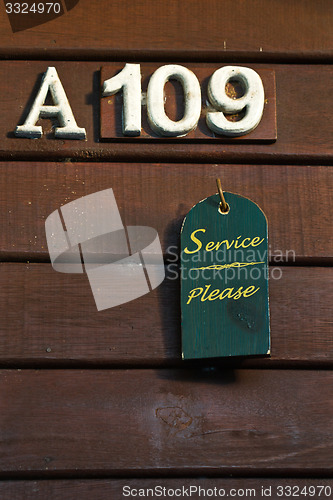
<point x="224" y="210"/>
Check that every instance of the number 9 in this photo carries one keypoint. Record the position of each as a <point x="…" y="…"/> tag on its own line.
<point x="252" y="101"/>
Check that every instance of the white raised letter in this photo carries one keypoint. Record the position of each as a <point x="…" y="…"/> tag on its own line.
<point x="61" y="110"/>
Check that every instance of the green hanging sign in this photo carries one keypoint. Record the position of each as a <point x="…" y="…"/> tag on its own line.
<point x="224" y="279"/>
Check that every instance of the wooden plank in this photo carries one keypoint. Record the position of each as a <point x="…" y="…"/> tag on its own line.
<point x="304" y="130"/>
<point x="112" y="106"/>
<point x="257" y="29"/>
<point x="22" y="17"/>
<point x="142" y="422"/>
<point x="296" y="200"/>
<point x="100" y="489"/>
<point x="50" y="319"/>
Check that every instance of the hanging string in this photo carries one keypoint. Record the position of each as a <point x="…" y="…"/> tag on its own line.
<point x="224" y="207"/>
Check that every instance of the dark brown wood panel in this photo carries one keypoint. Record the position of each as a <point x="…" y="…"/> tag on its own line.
<point x="304" y="125"/>
<point x="297" y="202"/>
<point x="142" y="422"/>
<point x="260" y="29"/>
<point x="50" y="319"/>
<point x="152" y="415"/>
<point x="102" y="489"/>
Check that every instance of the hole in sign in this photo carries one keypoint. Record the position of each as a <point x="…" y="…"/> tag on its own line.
<point x="224" y="211"/>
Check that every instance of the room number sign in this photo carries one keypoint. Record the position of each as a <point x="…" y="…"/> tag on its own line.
<point x="129" y="82"/>
<point x="175" y="101"/>
<point x="171" y="101"/>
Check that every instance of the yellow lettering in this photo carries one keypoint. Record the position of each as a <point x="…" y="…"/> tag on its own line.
<point x="214" y="294"/>
<point x="229" y="245"/>
<point x="227" y="293"/>
<point x="249" y="291"/>
<point x="256" y="241"/>
<point x="243" y="243"/>
<point x="237" y="244"/>
<point x="228" y="290"/>
<point x="238" y="294"/>
<point x="205" y="292"/>
<point x="192" y="294"/>
<point x="196" y="241"/>
<point x="210" y="246"/>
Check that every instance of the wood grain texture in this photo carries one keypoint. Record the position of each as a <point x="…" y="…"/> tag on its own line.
<point x="142" y="422"/>
<point x="50" y="319"/>
<point x="200" y="420"/>
<point x="276" y="30"/>
<point x="304" y="125"/>
<point x="101" y="489"/>
<point x="296" y="200"/>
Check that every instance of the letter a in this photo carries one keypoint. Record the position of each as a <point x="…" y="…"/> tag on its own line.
<point x="61" y="110"/>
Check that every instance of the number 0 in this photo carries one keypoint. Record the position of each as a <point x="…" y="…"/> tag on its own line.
<point x="158" y="120"/>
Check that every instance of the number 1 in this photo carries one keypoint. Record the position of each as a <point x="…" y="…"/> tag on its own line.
<point x="129" y="81"/>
